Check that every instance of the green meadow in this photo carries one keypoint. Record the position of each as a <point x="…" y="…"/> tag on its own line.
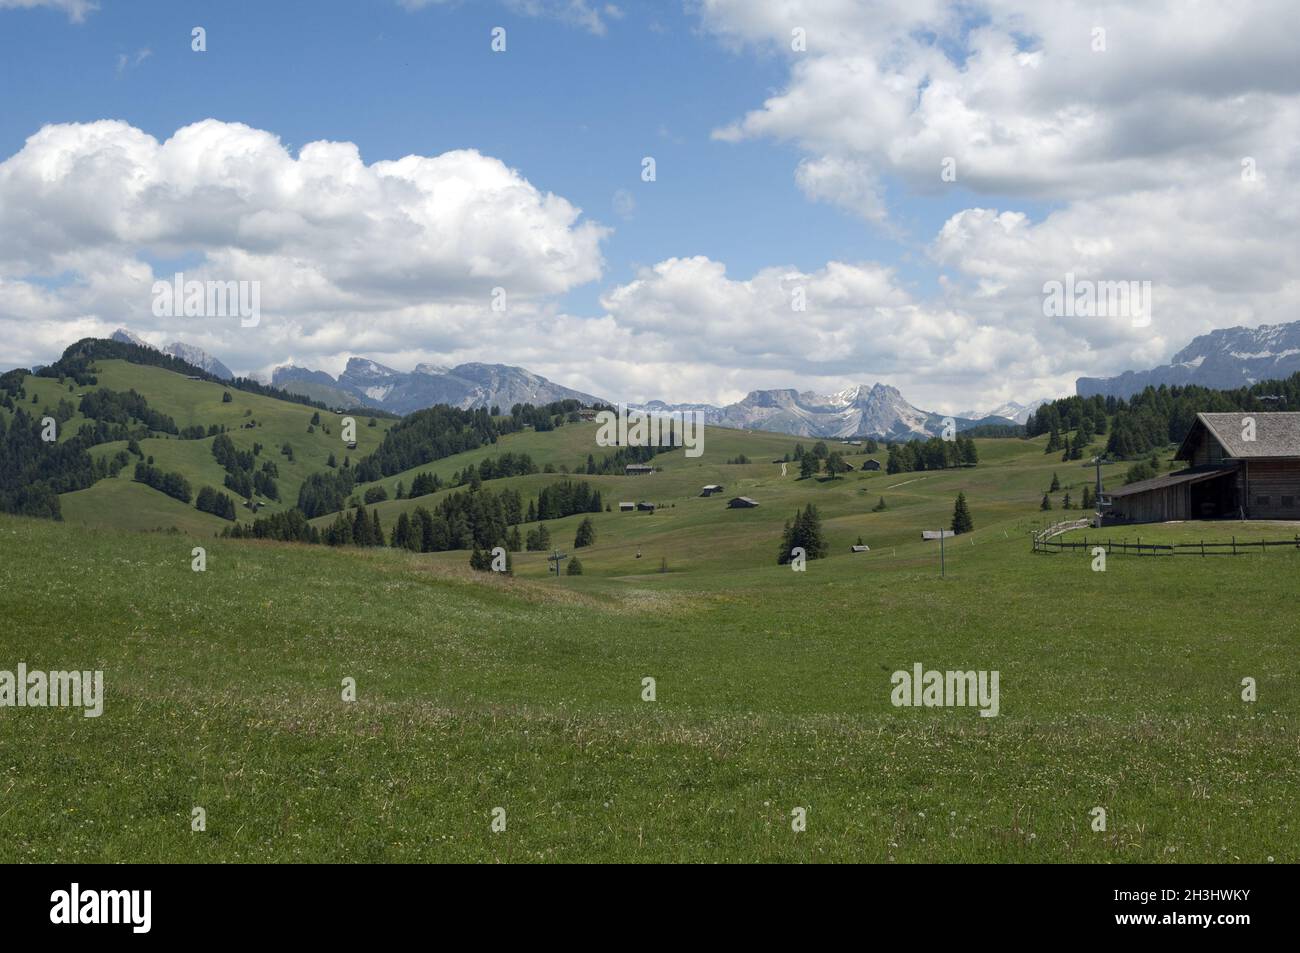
<point x="1119" y="690"/>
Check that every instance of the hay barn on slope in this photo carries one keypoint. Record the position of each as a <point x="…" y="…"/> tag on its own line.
<point x="1241" y="466"/>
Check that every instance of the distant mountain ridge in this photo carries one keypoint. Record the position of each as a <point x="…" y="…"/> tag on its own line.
<point x="1223" y="359"/>
<point x="878" y="411"/>
<point x="1011" y="410"/>
<point x="186" y="352"/>
<point x="466" y="386"/>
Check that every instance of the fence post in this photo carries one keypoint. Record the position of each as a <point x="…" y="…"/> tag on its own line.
<point x="1234" y="545"/>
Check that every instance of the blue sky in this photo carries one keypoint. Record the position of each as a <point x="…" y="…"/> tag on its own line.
<point x="776" y="168"/>
<point x="575" y="112"/>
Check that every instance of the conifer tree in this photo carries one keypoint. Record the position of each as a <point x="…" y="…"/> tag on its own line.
<point x="806" y="532"/>
<point x="961" y="521"/>
<point x="360" y="527"/>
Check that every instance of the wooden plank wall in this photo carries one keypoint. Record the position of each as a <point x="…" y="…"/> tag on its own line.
<point x="1275" y="480"/>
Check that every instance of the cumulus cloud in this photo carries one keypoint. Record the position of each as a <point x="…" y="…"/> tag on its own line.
<point x="340" y="247"/>
<point x="844" y="322"/>
<point x="1018" y="93"/>
<point x="1135" y="121"/>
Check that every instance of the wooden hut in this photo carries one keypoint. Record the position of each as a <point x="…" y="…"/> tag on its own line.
<point x="1243" y="465"/>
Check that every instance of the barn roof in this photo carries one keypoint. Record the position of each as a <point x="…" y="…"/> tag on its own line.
<point x="1193" y="475"/>
<point x="1276" y="434"/>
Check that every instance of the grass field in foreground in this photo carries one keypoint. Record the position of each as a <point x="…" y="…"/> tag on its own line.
<point x="1118" y="689"/>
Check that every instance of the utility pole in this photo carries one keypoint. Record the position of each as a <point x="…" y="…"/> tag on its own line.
<point x="1098" y="461"/>
<point x="555" y="557"/>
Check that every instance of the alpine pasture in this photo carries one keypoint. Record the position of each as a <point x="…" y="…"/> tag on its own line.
<point x="1120" y="689"/>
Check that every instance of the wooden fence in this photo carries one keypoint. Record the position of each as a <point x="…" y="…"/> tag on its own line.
<point x="1233" y="547"/>
<point x="1056" y="529"/>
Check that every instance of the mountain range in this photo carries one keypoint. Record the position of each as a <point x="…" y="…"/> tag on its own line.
<point x="1011" y="410"/>
<point x="1223" y="360"/>
<point x="878" y="411"/>
<point x="186" y="352"/>
<point x="467" y="386"/>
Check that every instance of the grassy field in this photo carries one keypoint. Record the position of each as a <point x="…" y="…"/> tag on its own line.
<point x="250" y="418"/>
<point x="1119" y="689"/>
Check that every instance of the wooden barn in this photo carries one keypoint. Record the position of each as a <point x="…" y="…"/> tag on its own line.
<point x="638" y="469"/>
<point x="710" y="489"/>
<point x="741" y="503"/>
<point x="871" y="465"/>
<point x="1240" y="466"/>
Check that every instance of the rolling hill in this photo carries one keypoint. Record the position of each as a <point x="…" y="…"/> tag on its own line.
<point x="526" y="692"/>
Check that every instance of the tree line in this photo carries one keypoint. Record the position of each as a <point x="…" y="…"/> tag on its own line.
<point x="933" y="454"/>
<point x="1157" y="416"/>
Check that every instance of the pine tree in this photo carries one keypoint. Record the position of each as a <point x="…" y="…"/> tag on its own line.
<point x="787" y="544"/>
<point x="1056" y="484"/>
<point x="586" y="534"/>
<point x="808" y="466"/>
<point x="1065" y="504"/>
<point x="360" y="527"/>
<point x="574" y="567"/>
<point x="879" y="507"/>
<point x="1046" y="504"/>
<point x="376" y="531"/>
<point x="961" y="521"/>
<point x="806" y="532"/>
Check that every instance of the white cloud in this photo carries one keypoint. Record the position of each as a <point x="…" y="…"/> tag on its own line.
<point x="1015" y="93"/>
<point x="1139" y="148"/>
<point x="394" y="253"/>
<point x="849" y="183"/>
<point x="124" y="61"/>
<point x="75" y="9"/>
<point x="579" y="13"/>
<point x="859" y="325"/>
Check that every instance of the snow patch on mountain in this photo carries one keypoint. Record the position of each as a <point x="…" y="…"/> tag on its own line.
<point x="1222" y="359"/>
